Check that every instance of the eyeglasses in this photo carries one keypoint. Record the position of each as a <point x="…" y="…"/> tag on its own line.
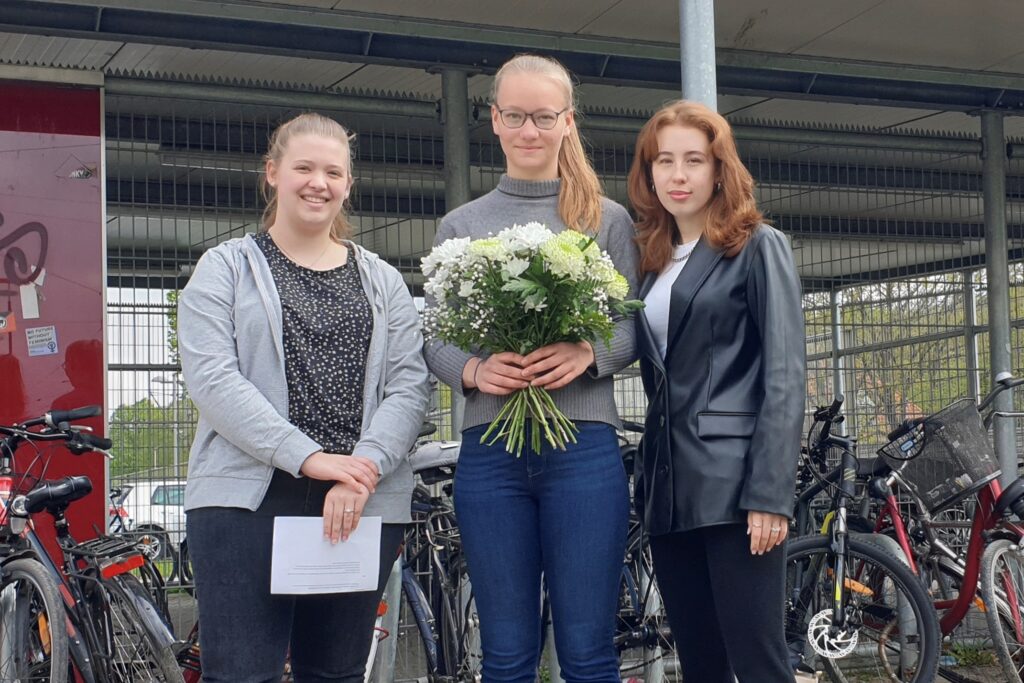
<point x="544" y="119"/>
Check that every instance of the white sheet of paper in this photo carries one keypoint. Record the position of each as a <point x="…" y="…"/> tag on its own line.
<point x="303" y="563"/>
<point x="29" y="302"/>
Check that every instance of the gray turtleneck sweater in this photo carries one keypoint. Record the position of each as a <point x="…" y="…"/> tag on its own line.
<point x="589" y="396"/>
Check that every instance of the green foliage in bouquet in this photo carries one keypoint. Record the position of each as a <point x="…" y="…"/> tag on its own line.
<point x="518" y="291"/>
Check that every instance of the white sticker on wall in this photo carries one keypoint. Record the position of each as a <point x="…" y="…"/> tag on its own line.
<point x="42" y="341"/>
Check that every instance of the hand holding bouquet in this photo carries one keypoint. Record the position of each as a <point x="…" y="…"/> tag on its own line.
<point x="518" y="291"/>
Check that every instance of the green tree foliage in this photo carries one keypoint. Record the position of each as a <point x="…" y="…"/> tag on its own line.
<point x="172" y="326"/>
<point x="148" y="438"/>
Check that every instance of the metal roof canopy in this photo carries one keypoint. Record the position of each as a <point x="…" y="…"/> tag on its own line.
<point x="419" y="43"/>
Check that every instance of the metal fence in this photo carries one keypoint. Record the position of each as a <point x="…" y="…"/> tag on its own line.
<point x="886" y="231"/>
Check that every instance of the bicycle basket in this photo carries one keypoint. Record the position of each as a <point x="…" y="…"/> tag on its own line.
<point x="955" y="458"/>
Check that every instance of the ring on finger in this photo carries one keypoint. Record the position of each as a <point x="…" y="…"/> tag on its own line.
<point x="347" y="511"/>
<point x="776" y="529"/>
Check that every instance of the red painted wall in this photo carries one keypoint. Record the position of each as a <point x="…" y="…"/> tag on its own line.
<point x="51" y="274"/>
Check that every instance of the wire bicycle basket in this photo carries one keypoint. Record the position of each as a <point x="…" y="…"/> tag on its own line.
<point x="945" y="459"/>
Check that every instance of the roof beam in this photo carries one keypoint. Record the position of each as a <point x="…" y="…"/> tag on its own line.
<point x="419" y="43"/>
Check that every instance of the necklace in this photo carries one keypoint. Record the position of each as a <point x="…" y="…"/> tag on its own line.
<point x="296" y="261"/>
<point x="685" y="255"/>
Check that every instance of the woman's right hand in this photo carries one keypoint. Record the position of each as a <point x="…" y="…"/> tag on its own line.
<point x="346" y="469"/>
<point x="499" y="374"/>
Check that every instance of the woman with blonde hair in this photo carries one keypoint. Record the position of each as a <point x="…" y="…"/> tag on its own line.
<point x="302" y="352"/>
<point x="721" y="344"/>
<point x="560" y="514"/>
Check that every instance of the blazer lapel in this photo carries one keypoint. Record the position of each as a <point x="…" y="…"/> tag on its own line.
<point x="698" y="267"/>
<point x="646" y="285"/>
<point x="645" y="342"/>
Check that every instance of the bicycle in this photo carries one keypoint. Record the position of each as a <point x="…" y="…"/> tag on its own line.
<point x="643" y="637"/>
<point x="34" y="636"/>
<point x="939" y="461"/>
<point x="853" y="609"/>
<point x="115" y="630"/>
<point x="435" y="583"/>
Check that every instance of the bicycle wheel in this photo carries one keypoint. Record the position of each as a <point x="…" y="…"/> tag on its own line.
<point x="642" y="635"/>
<point x="1002" y="590"/>
<point x="459" y="631"/>
<point x="891" y="631"/>
<point x="33" y="626"/>
<point x="141" y="644"/>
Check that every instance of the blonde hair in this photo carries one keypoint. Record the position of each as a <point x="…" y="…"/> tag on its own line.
<point x="579" y="199"/>
<point x="305" y="124"/>
<point x="733" y="215"/>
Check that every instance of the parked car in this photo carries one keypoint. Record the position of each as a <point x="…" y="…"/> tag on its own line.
<point x="156" y="509"/>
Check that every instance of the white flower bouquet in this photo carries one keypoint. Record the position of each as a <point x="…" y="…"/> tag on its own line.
<point x="520" y="290"/>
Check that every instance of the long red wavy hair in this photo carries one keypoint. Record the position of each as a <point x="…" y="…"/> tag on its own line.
<point x="732" y="213"/>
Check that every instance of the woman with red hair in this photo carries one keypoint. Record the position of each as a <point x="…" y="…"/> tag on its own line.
<point x="721" y="345"/>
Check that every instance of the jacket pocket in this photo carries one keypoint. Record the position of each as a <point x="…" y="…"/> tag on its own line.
<point x="716" y="424"/>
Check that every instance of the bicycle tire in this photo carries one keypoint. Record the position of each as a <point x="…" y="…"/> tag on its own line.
<point x="882" y="597"/>
<point x="458" y="632"/>
<point x="1002" y="587"/>
<point x="643" y="639"/>
<point x="137" y="653"/>
<point x="33" y="625"/>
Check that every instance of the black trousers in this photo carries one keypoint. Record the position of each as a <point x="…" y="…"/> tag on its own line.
<point x="245" y="632"/>
<point x="725" y="606"/>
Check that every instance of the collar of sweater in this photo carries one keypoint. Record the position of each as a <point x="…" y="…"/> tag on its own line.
<point x="529" y="188"/>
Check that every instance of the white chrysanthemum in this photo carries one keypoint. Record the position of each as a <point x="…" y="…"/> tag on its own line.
<point x="527" y="237"/>
<point x="618" y="288"/>
<point x="491" y="249"/>
<point x="467" y="288"/>
<point x="448" y="252"/>
<point x="563" y="256"/>
<point x="514" y="268"/>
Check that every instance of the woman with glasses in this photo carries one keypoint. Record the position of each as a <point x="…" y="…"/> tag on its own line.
<point x="562" y="514"/>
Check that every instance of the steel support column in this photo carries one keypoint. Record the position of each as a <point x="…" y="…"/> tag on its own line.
<point x="455" y="114"/>
<point x="971" y="335"/>
<point x="998" y="276"/>
<point x="697" y="51"/>
<point x="838" y="361"/>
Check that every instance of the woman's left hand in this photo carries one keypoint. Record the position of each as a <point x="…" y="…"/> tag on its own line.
<point x="766" y="530"/>
<point x="555" y="365"/>
<point x="343" y="507"/>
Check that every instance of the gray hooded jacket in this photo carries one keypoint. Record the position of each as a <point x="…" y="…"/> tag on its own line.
<point x="232" y="355"/>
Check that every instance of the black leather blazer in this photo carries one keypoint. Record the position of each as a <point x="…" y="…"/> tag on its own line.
<point x="723" y="427"/>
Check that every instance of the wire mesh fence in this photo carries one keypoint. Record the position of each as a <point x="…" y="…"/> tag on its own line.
<point x="888" y="239"/>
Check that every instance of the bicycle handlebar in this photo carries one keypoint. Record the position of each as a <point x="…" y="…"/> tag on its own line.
<point x="1004" y="381"/>
<point x="58" y="429"/>
<point x="56" y="417"/>
<point x="829" y="415"/>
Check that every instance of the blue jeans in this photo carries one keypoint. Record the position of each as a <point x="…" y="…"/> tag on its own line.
<point x="563" y="514"/>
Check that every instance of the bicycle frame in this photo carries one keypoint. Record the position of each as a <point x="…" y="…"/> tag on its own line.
<point x="985" y="519"/>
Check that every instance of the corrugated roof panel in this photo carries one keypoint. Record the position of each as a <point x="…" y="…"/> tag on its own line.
<point x="563" y="17"/>
<point x="74" y="53"/>
<point x="214" y="64"/>
<point x="394" y="79"/>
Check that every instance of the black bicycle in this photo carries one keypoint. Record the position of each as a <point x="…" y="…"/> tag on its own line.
<point x="117" y="631"/>
<point x="854" y="611"/>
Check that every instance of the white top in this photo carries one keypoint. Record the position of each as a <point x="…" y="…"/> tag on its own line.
<point x="659" y="298"/>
